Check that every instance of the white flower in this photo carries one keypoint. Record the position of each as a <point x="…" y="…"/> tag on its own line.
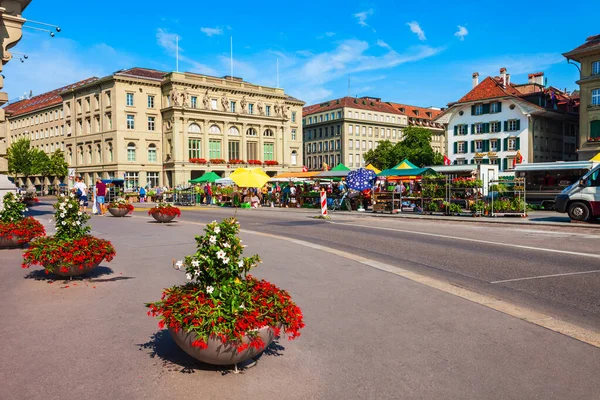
<point x="70" y="205"/>
<point x="242" y="307"/>
<point x="195" y="263"/>
<point x="78" y="222"/>
<point x="79" y="213"/>
<point x="210" y="289"/>
<point x="226" y="245"/>
<point x="73" y="224"/>
<point x="217" y="229"/>
<point x="188" y="276"/>
<point x="64" y="222"/>
<point x="26" y="209"/>
<point x="179" y="264"/>
<point x="62" y="215"/>
<point x="220" y="254"/>
<point x="212" y="239"/>
<point x="226" y="260"/>
<point x="197" y="273"/>
<point x="71" y="195"/>
<point x="81" y="203"/>
<point x="241" y="263"/>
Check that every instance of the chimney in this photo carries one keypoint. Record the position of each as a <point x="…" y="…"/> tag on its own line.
<point x="503" y="75"/>
<point x="508" y="79"/>
<point x="475" y="79"/>
<point x="536" y="78"/>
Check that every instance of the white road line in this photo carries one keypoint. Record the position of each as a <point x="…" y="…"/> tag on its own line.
<point x="546" y="276"/>
<point x="518" y="246"/>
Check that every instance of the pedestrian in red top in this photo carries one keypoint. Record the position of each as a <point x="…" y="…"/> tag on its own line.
<point x="100" y="193"/>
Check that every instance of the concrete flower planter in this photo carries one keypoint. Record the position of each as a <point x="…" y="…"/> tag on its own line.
<point x="74" y="271"/>
<point x="118" y="212"/>
<point x="9" y="243"/>
<point x="30" y="203"/>
<point x="163" y="217"/>
<point x="217" y="352"/>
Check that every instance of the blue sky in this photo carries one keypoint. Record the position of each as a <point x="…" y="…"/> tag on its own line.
<point x="408" y="52"/>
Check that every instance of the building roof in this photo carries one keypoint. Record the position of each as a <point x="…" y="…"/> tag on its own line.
<point x="363" y="103"/>
<point x="43" y="100"/>
<point x="142" y="73"/>
<point x="418" y="116"/>
<point x="489" y="88"/>
<point x="592" y="43"/>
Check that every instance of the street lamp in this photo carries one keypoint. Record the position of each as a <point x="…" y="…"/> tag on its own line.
<point x="55" y="27"/>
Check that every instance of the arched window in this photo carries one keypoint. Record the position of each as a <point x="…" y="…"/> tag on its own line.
<point x="99" y="153"/>
<point x="110" y="152"/>
<point x="89" y="151"/>
<point x="80" y="155"/>
<point x="152" y="153"/>
<point x="131" y="152"/>
<point x="268" y="133"/>
<point x="234" y="131"/>
<point x="214" y="129"/>
<point x="251" y="132"/>
<point x="194" y="128"/>
<point x="294" y="157"/>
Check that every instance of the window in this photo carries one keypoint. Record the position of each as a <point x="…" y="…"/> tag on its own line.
<point x="596" y="97"/>
<point x="152" y="153"/>
<point x="371" y="131"/>
<point x="251" y="132"/>
<point x="195" y="148"/>
<point x="152" y="179"/>
<point x="234" y="131"/>
<point x="357" y="144"/>
<point x="494" y="145"/>
<point x="293" y="134"/>
<point x="213" y="104"/>
<point x="130" y="121"/>
<point x="364" y="131"/>
<point x="495" y="107"/>
<point x="214" y="129"/>
<point x="268" y="111"/>
<point x="350" y="160"/>
<point x="478" y="109"/>
<point x="389" y="132"/>
<point x="194" y="128"/>
<point x="512" y="144"/>
<point x="350" y="143"/>
<point x="349" y="129"/>
<point x="293" y="116"/>
<point x="251" y="109"/>
<point x="596" y="68"/>
<point x="364" y="144"/>
<point x="339" y="115"/>
<point x="269" y="151"/>
<point x="338" y="143"/>
<point x="151" y="123"/>
<point x="99" y="154"/>
<point x="494" y="127"/>
<point x="268" y="133"/>
<point x="107" y="100"/>
<point x="234" y="150"/>
<point x="294" y="158"/>
<point x="232" y="106"/>
<point x="131" y="152"/>
<point x="110" y="152"/>
<point x="513" y="125"/>
<point x="150" y="101"/>
<point x="478" y="128"/>
<point x="362" y="116"/>
<point x="393" y="133"/>
<point x="214" y="149"/>
<point x="370" y="144"/>
<point x="479" y="145"/>
<point x="132" y="180"/>
<point x="130" y="99"/>
<point x="320" y="147"/>
<point x="461" y="147"/>
<point x="325" y="146"/>
<point x="252" y="150"/>
<point x="357" y="159"/>
<point x="194" y="102"/>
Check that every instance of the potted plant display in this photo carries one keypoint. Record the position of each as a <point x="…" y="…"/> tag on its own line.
<point x="71" y="250"/>
<point x="164" y="212"/>
<point x="224" y="316"/>
<point x="30" y="199"/>
<point x="120" y="207"/>
<point x="16" y="229"/>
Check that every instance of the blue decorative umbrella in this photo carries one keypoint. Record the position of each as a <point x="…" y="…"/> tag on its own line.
<point x="361" y="179"/>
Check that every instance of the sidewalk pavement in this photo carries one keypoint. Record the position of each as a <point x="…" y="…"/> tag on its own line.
<point x="369" y="334"/>
<point x="534" y="218"/>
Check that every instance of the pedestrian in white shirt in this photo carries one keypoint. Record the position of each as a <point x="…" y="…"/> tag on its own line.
<point x="81" y="191"/>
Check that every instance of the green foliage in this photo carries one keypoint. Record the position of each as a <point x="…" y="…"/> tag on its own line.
<point x="58" y="166"/>
<point x="415" y="146"/>
<point x="14" y="208"/>
<point x="70" y="222"/>
<point x="22" y="158"/>
<point x="433" y="206"/>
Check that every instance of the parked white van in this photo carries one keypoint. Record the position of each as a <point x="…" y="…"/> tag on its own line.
<point x="581" y="200"/>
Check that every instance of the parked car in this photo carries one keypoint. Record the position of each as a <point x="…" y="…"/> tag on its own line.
<point x="581" y="200"/>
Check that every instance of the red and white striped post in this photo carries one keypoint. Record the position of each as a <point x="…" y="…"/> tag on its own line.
<point x="323" y="203"/>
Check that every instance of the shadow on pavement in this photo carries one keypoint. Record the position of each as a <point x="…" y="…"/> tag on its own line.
<point x="38" y="213"/>
<point x="41" y="275"/>
<point x="162" y="345"/>
<point x="162" y="223"/>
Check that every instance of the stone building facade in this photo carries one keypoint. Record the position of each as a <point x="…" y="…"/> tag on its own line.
<point x="154" y="128"/>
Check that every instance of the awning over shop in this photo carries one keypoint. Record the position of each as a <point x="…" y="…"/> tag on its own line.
<point x="414" y="172"/>
<point x="207" y="177"/>
<point x="554" y="166"/>
<point x="338" y="171"/>
<point x="372" y="168"/>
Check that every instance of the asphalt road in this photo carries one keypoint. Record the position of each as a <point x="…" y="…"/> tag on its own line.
<point x="369" y="335"/>
<point x="546" y="268"/>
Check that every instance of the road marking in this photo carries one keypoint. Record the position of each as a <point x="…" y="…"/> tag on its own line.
<point x="518" y="246"/>
<point x="546" y="276"/>
<point x="576" y="332"/>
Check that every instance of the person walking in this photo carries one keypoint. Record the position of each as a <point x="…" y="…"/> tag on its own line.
<point x="208" y="192"/>
<point x="81" y="191"/>
<point x="100" y="196"/>
<point x="142" y="194"/>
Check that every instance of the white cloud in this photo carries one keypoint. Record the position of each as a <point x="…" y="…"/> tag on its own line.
<point x="211" y="31"/>
<point x="167" y="41"/>
<point x="462" y="32"/>
<point x="362" y="17"/>
<point x="416" y="29"/>
<point x="383" y="44"/>
<point x="329" y="34"/>
<point x="305" y="53"/>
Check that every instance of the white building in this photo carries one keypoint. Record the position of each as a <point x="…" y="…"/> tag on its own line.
<point x="498" y="120"/>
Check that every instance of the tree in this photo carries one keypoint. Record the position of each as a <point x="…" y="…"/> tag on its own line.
<point x="42" y="166"/>
<point x="59" y="167"/>
<point x="22" y="159"/>
<point x="415" y="147"/>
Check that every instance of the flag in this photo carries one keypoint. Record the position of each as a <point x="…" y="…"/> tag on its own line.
<point x="305" y="169"/>
<point x="325" y="167"/>
<point x="518" y="159"/>
<point x="447" y="161"/>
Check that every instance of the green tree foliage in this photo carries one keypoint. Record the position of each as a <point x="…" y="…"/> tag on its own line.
<point x="415" y="147"/>
<point x="58" y="165"/>
<point x="22" y="159"/>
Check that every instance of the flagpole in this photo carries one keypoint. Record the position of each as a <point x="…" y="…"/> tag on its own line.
<point x="277" y="72"/>
<point x="176" y="53"/>
<point x="231" y="57"/>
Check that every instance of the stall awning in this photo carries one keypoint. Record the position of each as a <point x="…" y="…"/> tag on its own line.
<point x="207" y="177"/>
<point x="406" y="172"/>
<point x="372" y="168"/>
<point x="554" y="166"/>
<point x="596" y="158"/>
<point x="297" y="174"/>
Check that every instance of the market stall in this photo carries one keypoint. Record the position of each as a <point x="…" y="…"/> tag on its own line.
<point x="409" y="175"/>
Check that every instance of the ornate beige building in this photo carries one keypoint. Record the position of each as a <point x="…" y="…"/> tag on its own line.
<point x="152" y="128"/>
<point x="11" y="31"/>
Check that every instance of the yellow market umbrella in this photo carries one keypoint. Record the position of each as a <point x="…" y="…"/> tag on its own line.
<point x="251" y="178"/>
<point x="596" y="158"/>
<point x="372" y="168"/>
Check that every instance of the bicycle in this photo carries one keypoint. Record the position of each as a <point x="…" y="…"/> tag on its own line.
<point x="337" y="203"/>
